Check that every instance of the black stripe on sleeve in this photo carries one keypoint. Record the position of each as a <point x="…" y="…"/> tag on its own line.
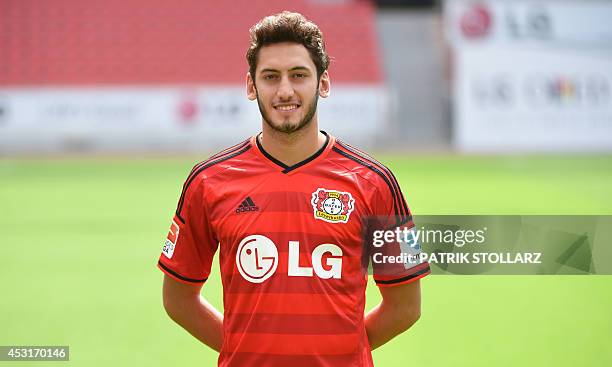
<point x="400" y="218"/>
<point x="230" y="149"/>
<point x="179" y="275"/>
<point x="200" y="169"/>
<point x="217" y="155"/>
<point x="404" y="207"/>
<point x="197" y="166"/>
<point x="403" y="279"/>
<point x="401" y="195"/>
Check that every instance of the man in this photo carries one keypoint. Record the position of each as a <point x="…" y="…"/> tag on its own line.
<point x="286" y="210"/>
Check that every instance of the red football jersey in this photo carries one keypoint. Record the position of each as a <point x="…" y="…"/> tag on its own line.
<point x="291" y="249"/>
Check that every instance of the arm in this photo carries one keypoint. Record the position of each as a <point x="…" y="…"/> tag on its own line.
<point x="187" y="308"/>
<point x="399" y="309"/>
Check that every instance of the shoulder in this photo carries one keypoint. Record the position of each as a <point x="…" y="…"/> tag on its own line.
<point x="362" y="164"/>
<point x="219" y="162"/>
<point x="193" y="187"/>
<point x="380" y="176"/>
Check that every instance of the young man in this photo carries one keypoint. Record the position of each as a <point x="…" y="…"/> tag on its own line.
<point x="286" y="210"/>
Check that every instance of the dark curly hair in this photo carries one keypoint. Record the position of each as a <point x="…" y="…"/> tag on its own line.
<point x="287" y="27"/>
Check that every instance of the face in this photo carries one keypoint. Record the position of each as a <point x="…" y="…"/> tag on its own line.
<point x="286" y="86"/>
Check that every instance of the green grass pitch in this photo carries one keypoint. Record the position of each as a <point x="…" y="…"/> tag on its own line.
<point x="81" y="237"/>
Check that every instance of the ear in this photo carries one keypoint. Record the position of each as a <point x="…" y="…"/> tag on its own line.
<point x="324" y="85"/>
<point x="250" y="88"/>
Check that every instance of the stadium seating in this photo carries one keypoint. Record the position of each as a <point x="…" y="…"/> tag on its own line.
<point x="151" y="42"/>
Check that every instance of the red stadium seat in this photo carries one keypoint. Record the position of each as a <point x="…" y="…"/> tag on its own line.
<point x="74" y="42"/>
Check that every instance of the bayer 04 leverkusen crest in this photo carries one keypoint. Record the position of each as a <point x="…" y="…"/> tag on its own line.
<point x="332" y="206"/>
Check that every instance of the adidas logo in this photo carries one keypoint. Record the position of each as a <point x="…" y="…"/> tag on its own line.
<point x="247" y="206"/>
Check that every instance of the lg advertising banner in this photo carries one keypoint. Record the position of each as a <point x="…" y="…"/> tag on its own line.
<point x="530" y="100"/>
<point x="173" y="119"/>
<point x="531" y="76"/>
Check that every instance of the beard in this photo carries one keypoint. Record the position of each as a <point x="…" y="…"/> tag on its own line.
<point x="286" y="127"/>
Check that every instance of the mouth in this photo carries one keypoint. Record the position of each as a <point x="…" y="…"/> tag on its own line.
<point x="287" y="107"/>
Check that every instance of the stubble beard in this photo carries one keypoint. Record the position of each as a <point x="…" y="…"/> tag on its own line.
<point x="286" y="127"/>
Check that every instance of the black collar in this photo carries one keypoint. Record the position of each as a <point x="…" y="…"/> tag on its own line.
<point x="286" y="168"/>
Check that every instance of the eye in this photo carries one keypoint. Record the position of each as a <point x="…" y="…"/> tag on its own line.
<point x="269" y="77"/>
<point x="299" y="75"/>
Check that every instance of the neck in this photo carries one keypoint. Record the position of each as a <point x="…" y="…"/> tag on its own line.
<point x="294" y="147"/>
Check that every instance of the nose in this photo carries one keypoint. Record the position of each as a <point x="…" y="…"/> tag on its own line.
<point x="285" y="89"/>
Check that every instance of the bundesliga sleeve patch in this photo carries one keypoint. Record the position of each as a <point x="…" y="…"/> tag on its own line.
<point x="171" y="239"/>
<point x="332" y="206"/>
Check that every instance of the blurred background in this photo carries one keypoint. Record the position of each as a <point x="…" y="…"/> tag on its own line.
<point x="479" y="107"/>
<point x="168" y="76"/>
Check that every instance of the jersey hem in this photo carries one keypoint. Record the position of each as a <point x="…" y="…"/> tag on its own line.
<point x="177" y="276"/>
<point x="425" y="270"/>
<point x="403" y="282"/>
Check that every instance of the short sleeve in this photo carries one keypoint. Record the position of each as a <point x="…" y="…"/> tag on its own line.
<point x="190" y="245"/>
<point x="394" y="252"/>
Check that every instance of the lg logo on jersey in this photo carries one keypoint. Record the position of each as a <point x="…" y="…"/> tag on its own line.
<point x="257" y="260"/>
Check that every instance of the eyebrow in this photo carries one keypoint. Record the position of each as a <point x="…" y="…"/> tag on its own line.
<point x="292" y="69"/>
